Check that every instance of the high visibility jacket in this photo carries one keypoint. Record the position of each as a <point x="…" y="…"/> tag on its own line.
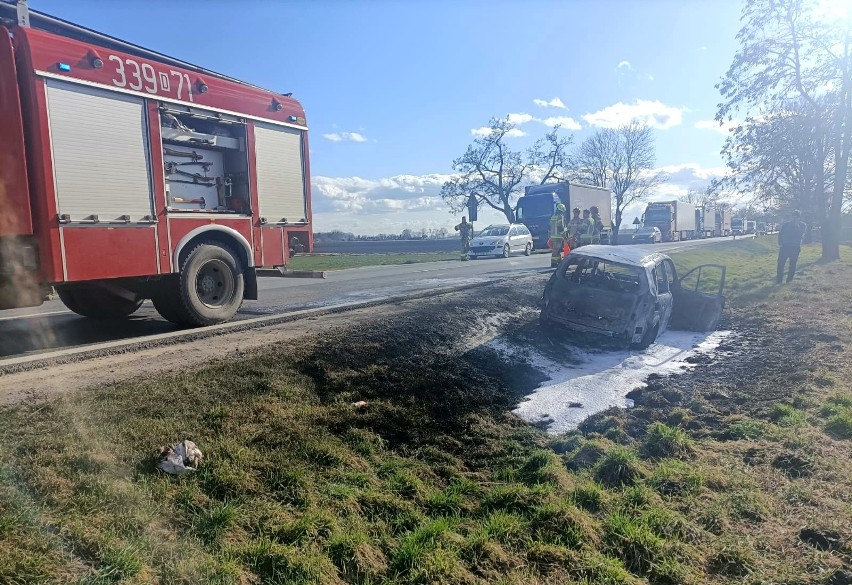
<point x="557" y="225"/>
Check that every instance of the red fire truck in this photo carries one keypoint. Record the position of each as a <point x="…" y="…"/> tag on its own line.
<point x="128" y="175"/>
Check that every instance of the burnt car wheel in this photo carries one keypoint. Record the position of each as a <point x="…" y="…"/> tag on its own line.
<point x="506" y="251"/>
<point x="649" y="338"/>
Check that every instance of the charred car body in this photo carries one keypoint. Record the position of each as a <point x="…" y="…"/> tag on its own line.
<point x="631" y="295"/>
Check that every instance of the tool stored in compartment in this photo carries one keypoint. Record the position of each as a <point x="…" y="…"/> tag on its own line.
<point x="168" y="180"/>
<point x="197" y="177"/>
<point x="200" y="201"/>
<point x="172" y="165"/>
<point x="182" y="153"/>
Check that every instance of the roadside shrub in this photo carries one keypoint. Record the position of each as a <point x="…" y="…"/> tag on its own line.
<point x="786" y="416"/>
<point x="665" y="441"/>
<point x="618" y="467"/>
<point x="675" y="478"/>
<point x="839" y="426"/>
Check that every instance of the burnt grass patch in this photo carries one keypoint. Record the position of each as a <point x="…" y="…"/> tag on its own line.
<point x="709" y="479"/>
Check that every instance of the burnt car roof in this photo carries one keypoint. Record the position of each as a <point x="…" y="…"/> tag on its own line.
<point x="636" y="255"/>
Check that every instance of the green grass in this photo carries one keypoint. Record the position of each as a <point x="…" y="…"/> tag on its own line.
<point x="343" y="261"/>
<point x="750" y="267"/>
<point x="424" y="485"/>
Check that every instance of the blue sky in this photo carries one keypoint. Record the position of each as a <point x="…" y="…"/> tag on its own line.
<point x="394" y="89"/>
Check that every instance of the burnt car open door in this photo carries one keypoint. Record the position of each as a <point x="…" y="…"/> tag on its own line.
<point x="697" y="297"/>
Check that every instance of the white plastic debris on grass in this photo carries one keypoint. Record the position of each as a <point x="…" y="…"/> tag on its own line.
<point x="181" y="458"/>
<point x="598" y="380"/>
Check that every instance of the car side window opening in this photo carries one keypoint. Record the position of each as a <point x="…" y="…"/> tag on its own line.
<point x="671" y="274"/>
<point x="662" y="278"/>
<point x="513" y="232"/>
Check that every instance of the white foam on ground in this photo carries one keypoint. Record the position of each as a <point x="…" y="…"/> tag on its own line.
<point x="601" y="379"/>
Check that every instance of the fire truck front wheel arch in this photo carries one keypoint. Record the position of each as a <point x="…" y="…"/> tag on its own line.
<point x="209" y="288"/>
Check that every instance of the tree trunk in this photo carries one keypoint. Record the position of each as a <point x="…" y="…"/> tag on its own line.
<point x="616" y="227"/>
<point x="508" y="212"/>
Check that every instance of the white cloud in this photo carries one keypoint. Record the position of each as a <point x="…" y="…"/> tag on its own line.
<point x="554" y="103"/>
<point x="624" y="64"/>
<point x="340" y="136"/>
<point x="485" y="131"/>
<point x="358" y="195"/>
<point x="519" y="118"/>
<point x="654" y="113"/>
<point x="701" y="49"/>
<point x="723" y="128"/>
<point x="566" y="122"/>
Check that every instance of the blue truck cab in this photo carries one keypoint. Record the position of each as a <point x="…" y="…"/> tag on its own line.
<point x="538" y="205"/>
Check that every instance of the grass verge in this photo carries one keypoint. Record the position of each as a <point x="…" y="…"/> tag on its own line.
<point x="343" y="261"/>
<point x="431" y="482"/>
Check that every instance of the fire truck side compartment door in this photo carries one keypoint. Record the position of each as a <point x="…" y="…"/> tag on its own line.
<point x="99" y="142"/>
<point x="280" y="174"/>
<point x="14" y="189"/>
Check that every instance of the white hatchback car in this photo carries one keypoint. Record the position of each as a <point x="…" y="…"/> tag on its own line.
<point x="502" y="240"/>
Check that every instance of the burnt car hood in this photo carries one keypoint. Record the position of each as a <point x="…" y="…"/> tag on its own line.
<point x="609" y="313"/>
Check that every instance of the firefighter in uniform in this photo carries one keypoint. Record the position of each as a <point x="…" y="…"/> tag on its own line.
<point x="557" y="234"/>
<point x="587" y="229"/>
<point x="574" y="228"/>
<point x="465" y="230"/>
<point x="596" y="219"/>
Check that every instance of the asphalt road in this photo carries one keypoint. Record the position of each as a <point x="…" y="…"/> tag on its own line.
<point x="52" y="326"/>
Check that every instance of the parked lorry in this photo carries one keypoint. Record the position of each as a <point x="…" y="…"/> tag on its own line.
<point x="723" y="221"/>
<point x="705" y="221"/>
<point x="675" y="219"/>
<point x="129" y="175"/>
<point x="539" y="202"/>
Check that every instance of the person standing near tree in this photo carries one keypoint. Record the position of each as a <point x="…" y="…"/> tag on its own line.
<point x="465" y="230"/>
<point x="789" y="245"/>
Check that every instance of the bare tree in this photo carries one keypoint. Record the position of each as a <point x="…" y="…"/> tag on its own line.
<point x="792" y="49"/>
<point x="495" y="174"/>
<point x="621" y="159"/>
<point x="700" y="197"/>
<point x="550" y="157"/>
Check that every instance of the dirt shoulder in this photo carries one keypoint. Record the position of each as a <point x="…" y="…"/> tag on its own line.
<point x="736" y="471"/>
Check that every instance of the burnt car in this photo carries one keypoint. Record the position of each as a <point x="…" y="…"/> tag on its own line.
<point x="631" y="295"/>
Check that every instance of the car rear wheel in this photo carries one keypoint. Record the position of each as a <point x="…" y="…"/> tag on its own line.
<point x="528" y="249"/>
<point x="506" y="251"/>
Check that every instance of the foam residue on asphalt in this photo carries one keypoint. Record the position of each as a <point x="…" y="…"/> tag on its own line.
<point x="598" y="380"/>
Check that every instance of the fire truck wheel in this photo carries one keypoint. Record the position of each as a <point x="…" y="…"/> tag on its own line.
<point x="209" y="290"/>
<point x="96" y="302"/>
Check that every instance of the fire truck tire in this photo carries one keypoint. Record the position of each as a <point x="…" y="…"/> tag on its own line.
<point x="97" y="303"/>
<point x="209" y="290"/>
